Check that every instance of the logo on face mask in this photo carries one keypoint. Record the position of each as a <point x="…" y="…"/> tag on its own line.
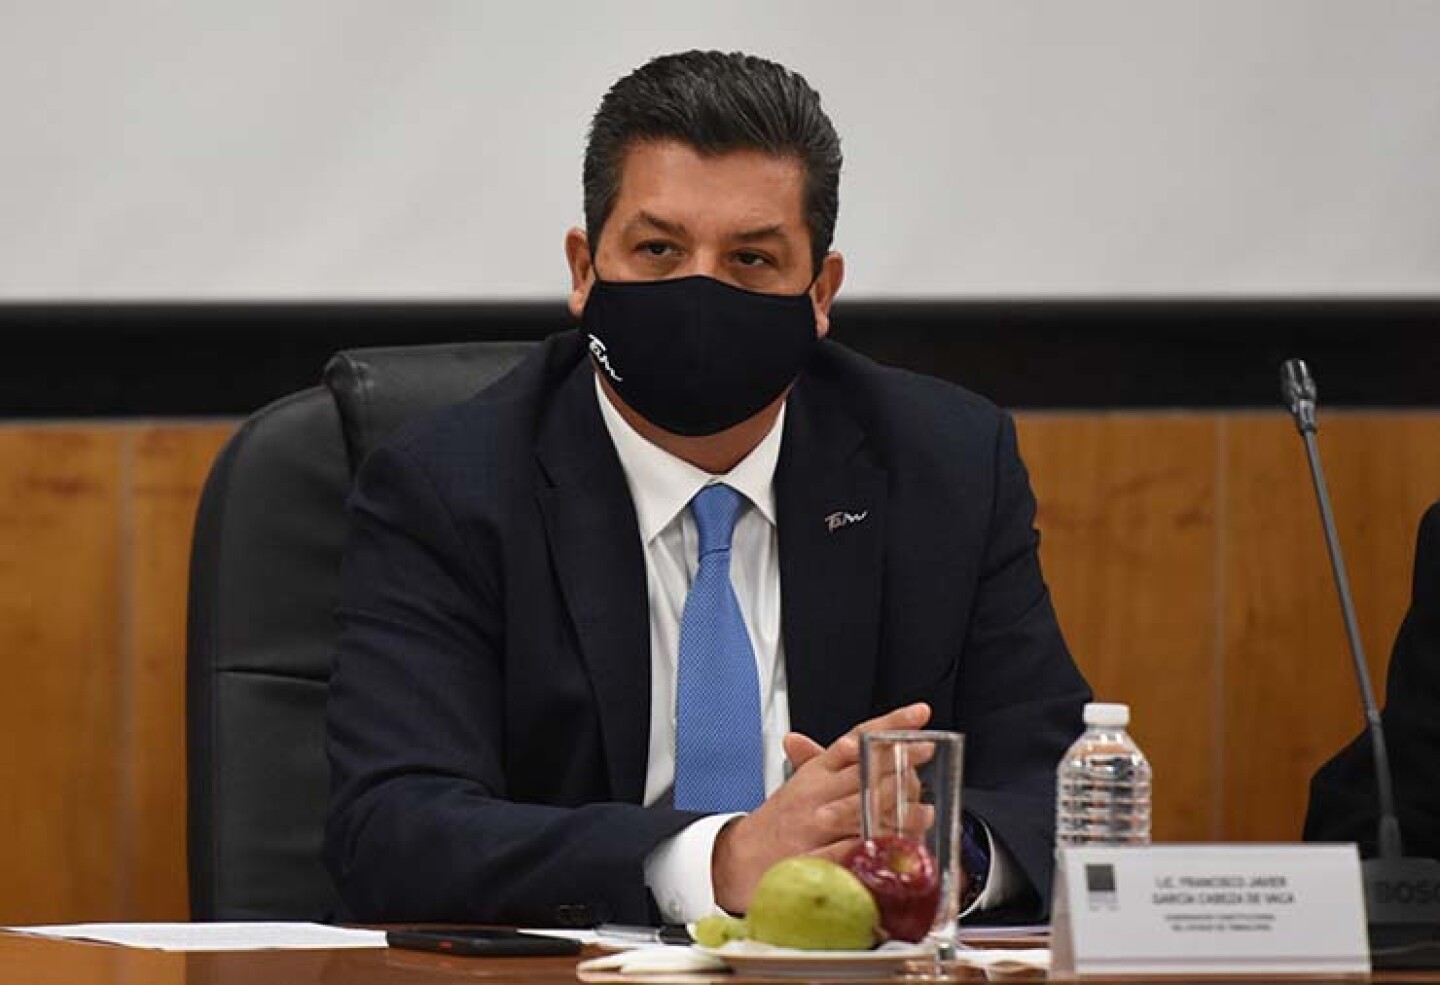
<point x="597" y="349"/>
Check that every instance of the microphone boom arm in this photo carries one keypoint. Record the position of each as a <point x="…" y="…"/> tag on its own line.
<point x="1390" y="843"/>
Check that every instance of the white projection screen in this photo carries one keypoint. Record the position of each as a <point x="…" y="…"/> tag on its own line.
<point x="380" y="149"/>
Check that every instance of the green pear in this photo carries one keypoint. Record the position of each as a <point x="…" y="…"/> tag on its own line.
<point x="815" y="904"/>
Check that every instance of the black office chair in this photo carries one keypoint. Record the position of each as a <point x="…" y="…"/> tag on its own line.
<point x="264" y="573"/>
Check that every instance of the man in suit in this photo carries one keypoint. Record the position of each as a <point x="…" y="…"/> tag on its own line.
<point x="611" y="628"/>
<point x="1343" y="805"/>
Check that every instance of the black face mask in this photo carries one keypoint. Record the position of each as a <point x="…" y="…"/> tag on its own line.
<point x="694" y="355"/>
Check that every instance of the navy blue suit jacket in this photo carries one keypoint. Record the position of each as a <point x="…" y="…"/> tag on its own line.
<point x="489" y="708"/>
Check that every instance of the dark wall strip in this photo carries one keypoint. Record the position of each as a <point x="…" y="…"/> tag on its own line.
<point x="203" y="359"/>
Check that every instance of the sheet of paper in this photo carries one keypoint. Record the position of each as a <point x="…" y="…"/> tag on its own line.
<point x="242" y="936"/>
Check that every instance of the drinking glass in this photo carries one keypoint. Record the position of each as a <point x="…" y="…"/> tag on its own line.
<point x="910" y="802"/>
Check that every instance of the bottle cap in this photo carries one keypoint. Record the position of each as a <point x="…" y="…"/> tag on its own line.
<point x="1107" y="715"/>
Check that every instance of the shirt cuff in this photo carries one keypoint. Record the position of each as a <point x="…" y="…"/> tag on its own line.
<point x="1003" y="882"/>
<point x="678" y="870"/>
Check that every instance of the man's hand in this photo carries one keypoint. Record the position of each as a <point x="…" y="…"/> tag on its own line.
<point x="816" y="812"/>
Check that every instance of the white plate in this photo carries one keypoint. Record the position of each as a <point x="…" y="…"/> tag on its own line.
<point x="752" y="958"/>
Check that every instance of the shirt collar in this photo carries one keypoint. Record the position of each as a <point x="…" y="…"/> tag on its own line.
<point x="662" y="485"/>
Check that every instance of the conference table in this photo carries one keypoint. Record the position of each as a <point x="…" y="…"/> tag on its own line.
<point x="39" y="961"/>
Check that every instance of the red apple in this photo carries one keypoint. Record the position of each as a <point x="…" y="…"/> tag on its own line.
<point x="902" y="876"/>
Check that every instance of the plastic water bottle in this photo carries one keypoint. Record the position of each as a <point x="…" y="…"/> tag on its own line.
<point x="1103" y="784"/>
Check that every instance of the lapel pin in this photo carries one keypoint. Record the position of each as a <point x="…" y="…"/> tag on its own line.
<point x="840" y="518"/>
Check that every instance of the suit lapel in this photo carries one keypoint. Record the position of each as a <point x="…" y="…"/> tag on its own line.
<point x="594" y="542"/>
<point x="831" y="506"/>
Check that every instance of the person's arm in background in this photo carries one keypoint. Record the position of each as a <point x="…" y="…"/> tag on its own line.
<point x="1343" y="804"/>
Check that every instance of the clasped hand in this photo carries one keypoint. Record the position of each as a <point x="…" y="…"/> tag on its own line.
<point x="816" y="812"/>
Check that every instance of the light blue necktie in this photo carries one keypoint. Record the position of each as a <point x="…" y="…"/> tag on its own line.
<point x="719" y="752"/>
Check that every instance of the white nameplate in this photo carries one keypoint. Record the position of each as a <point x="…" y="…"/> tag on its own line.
<point x="1209" y="909"/>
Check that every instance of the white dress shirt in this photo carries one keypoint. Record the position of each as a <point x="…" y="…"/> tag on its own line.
<point x="661" y="487"/>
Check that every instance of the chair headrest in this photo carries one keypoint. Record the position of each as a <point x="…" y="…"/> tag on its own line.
<point x="379" y="389"/>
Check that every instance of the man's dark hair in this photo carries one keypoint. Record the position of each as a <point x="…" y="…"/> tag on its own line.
<point x="716" y="102"/>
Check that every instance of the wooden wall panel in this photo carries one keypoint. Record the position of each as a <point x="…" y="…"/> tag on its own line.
<point x="1290" y="692"/>
<point x="1127" y="513"/>
<point x="169" y="466"/>
<point x="60" y="517"/>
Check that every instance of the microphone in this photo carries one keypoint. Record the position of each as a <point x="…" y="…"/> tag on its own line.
<point x="1402" y="895"/>
<point x="1300" y="394"/>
